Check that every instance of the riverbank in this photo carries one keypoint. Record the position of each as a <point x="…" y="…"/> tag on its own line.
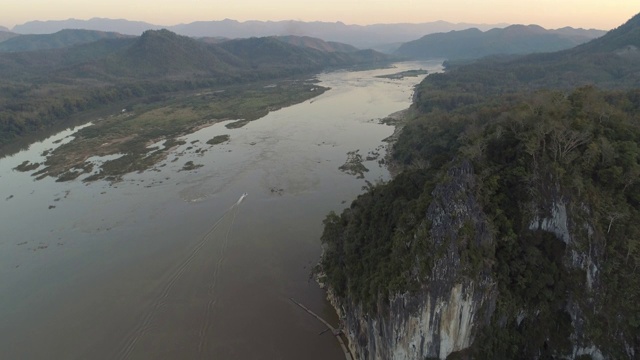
<point x="141" y="136"/>
<point x="134" y="249"/>
<point x="398" y="120"/>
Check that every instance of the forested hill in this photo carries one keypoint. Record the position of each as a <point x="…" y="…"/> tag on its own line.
<point x="516" y="215"/>
<point x="514" y="39"/>
<point x="611" y="61"/>
<point x="159" y="53"/>
<point x="42" y="87"/>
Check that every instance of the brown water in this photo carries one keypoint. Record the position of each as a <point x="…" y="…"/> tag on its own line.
<point x="166" y="264"/>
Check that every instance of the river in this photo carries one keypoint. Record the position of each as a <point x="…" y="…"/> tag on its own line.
<point x="168" y="264"/>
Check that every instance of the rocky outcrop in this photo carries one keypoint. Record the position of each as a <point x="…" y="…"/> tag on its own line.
<point x="458" y="300"/>
<point x="444" y="315"/>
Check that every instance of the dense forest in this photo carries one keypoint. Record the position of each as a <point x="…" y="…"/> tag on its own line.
<point x="536" y="143"/>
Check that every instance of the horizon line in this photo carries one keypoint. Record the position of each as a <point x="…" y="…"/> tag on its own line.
<point x="499" y="24"/>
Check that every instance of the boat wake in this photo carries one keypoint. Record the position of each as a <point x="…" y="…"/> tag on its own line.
<point x="221" y="229"/>
<point x="241" y="198"/>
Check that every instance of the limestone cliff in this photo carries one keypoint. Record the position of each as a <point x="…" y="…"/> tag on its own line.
<point x="511" y="233"/>
<point x="446" y="313"/>
<point x="457" y="300"/>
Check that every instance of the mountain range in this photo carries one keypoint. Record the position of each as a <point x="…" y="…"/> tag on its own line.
<point x="162" y="55"/>
<point x="515" y="39"/>
<point x="610" y="61"/>
<point x="362" y="36"/>
<point x="60" y="39"/>
<point x="42" y="88"/>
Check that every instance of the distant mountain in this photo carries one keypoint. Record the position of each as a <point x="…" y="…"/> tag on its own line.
<point x="514" y="39"/>
<point x="52" y="64"/>
<point x="5" y="35"/>
<point x="619" y="40"/>
<point x="161" y="55"/>
<point x="318" y="44"/>
<point x="121" y="26"/>
<point x="610" y="61"/>
<point x="61" y="39"/>
<point x="361" y="36"/>
<point x="2" y="28"/>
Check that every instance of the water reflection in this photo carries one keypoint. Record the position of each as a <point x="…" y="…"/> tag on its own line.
<point x="121" y="270"/>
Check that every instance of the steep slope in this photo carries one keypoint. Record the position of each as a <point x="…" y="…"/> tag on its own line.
<point x="473" y="43"/>
<point x="623" y="37"/>
<point x="611" y="61"/>
<point x="61" y="39"/>
<point x="163" y="53"/>
<point x="512" y="232"/>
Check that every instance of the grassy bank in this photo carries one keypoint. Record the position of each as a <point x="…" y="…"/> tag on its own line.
<point x="132" y="132"/>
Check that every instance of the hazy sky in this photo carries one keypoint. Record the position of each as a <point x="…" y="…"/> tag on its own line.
<point x="601" y="14"/>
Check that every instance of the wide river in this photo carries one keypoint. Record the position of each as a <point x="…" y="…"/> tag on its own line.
<point x="168" y="264"/>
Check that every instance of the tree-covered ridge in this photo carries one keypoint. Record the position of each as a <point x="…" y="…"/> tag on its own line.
<point x="514" y="39"/>
<point x="611" y="61"/>
<point x="42" y="88"/>
<point x="529" y="153"/>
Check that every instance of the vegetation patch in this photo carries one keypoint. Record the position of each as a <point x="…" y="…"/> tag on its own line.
<point x="189" y="165"/>
<point x="525" y="147"/>
<point x="130" y="133"/>
<point x="353" y="165"/>
<point x="219" y="139"/>
<point x="26" y="166"/>
<point x="237" y="124"/>
<point x="404" y="74"/>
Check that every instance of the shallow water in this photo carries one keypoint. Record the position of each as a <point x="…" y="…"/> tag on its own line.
<point x="165" y="264"/>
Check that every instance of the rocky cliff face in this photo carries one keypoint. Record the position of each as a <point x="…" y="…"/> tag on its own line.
<point x="446" y="313"/>
<point x="458" y="300"/>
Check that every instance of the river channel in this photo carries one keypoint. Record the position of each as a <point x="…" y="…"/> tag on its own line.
<point x="169" y="264"/>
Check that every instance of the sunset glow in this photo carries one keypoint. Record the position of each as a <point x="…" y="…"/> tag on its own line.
<point x="547" y="13"/>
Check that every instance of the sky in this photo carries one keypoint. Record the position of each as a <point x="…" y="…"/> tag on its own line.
<point x="599" y="14"/>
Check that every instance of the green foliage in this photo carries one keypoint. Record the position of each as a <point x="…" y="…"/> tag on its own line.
<point x="531" y="149"/>
<point x="218" y="139"/>
<point x="369" y="247"/>
<point x="526" y="148"/>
